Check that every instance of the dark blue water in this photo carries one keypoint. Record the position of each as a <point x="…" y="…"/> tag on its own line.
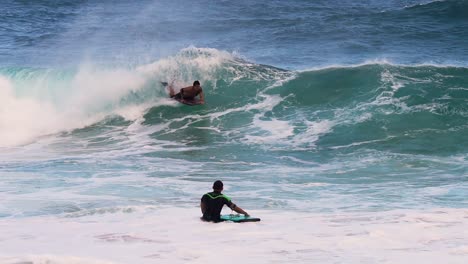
<point x="288" y="34"/>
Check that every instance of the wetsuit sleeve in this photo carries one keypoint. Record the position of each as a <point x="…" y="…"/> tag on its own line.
<point x="229" y="203"/>
<point x="204" y="198"/>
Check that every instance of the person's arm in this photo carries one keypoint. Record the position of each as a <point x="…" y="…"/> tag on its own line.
<point x="171" y="91"/>
<point x="202" y="97"/>
<point x="239" y="210"/>
<point x="202" y="207"/>
<point x="182" y="94"/>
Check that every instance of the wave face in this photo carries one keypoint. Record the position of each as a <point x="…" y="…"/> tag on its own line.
<point x="419" y="109"/>
<point x="403" y="109"/>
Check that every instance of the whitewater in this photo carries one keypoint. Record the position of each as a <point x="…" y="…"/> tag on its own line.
<point x="342" y="125"/>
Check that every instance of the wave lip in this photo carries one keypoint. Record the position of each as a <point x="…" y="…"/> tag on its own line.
<point x="450" y="9"/>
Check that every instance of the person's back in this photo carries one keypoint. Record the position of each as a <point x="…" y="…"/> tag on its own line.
<point x="212" y="203"/>
<point x="190" y="92"/>
<point x="187" y="93"/>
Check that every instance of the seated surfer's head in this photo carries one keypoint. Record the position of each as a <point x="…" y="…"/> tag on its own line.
<point x="196" y="84"/>
<point x="218" y="186"/>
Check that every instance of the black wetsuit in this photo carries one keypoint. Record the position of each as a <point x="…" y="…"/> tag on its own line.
<point x="214" y="202"/>
<point x="177" y="96"/>
<point x="180" y="95"/>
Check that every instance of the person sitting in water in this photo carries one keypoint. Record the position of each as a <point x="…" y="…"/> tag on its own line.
<point x="212" y="203"/>
<point x="188" y="93"/>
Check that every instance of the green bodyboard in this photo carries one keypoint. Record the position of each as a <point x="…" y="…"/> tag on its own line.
<point x="239" y="218"/>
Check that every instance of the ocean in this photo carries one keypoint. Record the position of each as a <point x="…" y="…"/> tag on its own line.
<point x="341" y="124"/>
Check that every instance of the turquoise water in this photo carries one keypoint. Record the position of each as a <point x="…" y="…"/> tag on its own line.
<point x="357" y="131"/>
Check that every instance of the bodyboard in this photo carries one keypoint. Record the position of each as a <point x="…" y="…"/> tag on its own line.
<point x="239" y="218"/>
<point x="188" y="102"/>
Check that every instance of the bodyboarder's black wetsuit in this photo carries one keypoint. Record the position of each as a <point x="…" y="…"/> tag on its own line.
<point x="214" y="202"/>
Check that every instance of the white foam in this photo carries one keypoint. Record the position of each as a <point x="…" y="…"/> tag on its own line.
<point x="51" y="259"/>
<point x="92" y="95"/>
<point x="189" y="64"/>
<point x="176" y="235"/>
<point x="313" y="132"/>
<point x="275" y="130"/>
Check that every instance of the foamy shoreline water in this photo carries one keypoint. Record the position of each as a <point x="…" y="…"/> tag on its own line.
<point x="176" y="235"/>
